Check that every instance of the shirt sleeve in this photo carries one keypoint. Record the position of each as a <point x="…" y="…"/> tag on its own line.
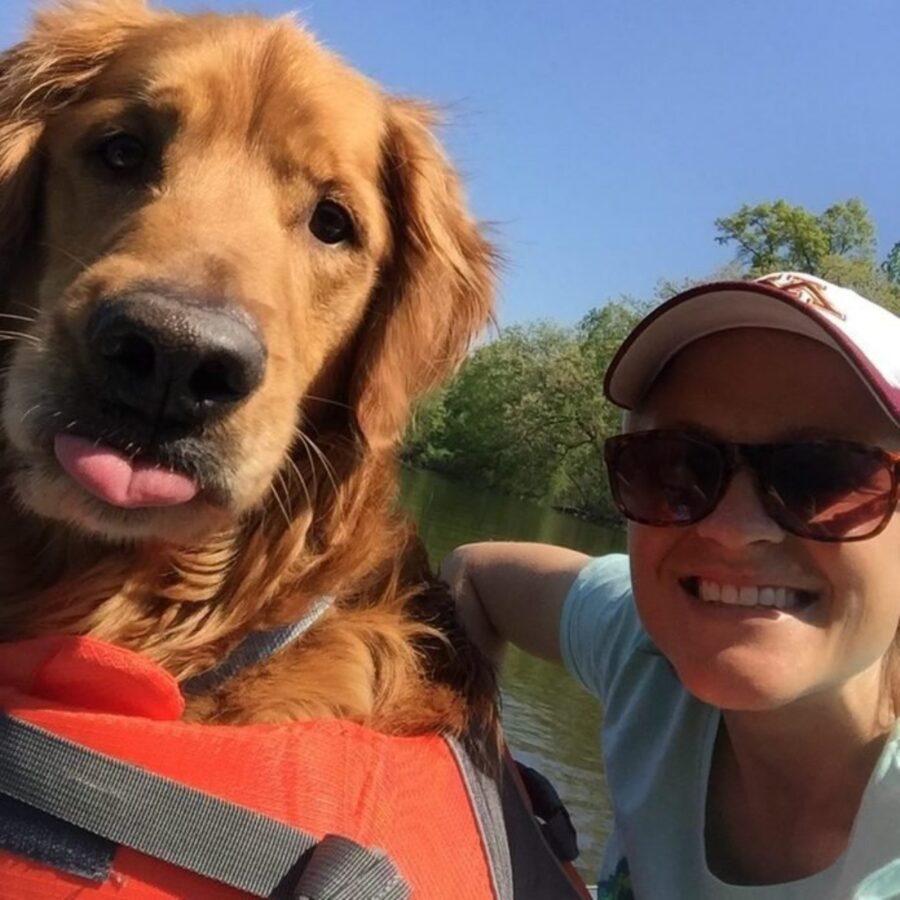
<point x="600" y="628"/>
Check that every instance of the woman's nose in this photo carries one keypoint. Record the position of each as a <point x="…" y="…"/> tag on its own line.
<point x="739" y="518"/>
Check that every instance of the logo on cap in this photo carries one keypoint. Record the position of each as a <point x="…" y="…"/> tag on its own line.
<point x="805" y="289"/>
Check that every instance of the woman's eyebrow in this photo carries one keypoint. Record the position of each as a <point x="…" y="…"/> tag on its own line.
<point x="691" y="427"/>
<point x="807" y="433"/>
<point x="798" y="433"/>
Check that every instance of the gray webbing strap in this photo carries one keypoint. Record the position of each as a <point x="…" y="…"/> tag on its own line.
<point x="183" y="826"/>
<point x="340" y="869"/>
<point x="257" y="648"/>
<point x="486" y="800"/>
<point x="147" y="812"/>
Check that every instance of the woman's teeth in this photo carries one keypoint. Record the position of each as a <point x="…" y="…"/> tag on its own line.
<point x="745" y="595"/>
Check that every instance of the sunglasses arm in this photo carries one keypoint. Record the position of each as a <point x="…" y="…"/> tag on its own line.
<point x="894" y="456"/>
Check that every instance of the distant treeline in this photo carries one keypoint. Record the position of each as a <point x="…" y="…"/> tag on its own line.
<point x="525" y="414"/>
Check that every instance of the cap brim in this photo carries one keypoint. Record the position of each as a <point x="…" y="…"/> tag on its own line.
<point x="722" y="306"/>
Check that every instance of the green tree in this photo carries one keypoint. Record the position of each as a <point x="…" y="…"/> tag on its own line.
<point x="782" y="237"/>
<point x="526" y="414"/>
<point x="865" y="278"/>
<point x="599" y="335"/>
<point x="425" y="443"/>
<point x="669" y="287"/>
<point x="838" y="245"/>
<point x="891" y="265"/>
<point x="501" y="415"/>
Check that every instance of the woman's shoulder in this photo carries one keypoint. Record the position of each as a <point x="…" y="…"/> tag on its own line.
<point x="601" y="633"/>
<point x="610" y="574"/>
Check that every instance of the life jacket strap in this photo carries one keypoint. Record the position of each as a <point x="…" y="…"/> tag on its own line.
<point x="127" y="805"/>
<point x="489" y="813"/>
<point x="341" y="869"/>
<point x="257" y="648"/>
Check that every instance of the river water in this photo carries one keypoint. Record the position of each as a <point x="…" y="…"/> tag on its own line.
<point x="551" y="723"/>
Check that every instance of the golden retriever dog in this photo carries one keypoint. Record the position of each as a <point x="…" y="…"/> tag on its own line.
<point x="230" y="265"/>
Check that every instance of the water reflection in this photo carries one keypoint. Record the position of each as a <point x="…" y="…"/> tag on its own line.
<point x="551" y="724"/>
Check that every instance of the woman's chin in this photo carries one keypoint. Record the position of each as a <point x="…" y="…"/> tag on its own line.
<point x="736" y="685"/>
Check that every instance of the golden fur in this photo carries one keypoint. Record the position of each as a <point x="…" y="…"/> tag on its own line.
<point x="250" y="124"/>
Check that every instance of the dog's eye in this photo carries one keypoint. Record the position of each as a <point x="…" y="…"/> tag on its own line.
<point x="331" y="223"/>
<point x="123" y="153"/>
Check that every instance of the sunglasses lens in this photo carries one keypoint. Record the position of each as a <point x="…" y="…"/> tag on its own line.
<point x="829" y="490"/>
<point x="661" y="478"/>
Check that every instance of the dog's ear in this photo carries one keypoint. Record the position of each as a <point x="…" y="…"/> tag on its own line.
<point x="66" y="47"/>
<point x="435" y="292"/>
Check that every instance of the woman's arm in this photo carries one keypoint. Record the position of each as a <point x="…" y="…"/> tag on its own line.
<point x="512" y="592"/>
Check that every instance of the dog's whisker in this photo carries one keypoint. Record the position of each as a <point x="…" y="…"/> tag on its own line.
<point x="29" y="411"/>
<point x="67" y="253"/>
<point x="30" y="307"/>
<point x="287" y="494"/>
<point x="316" y="399"/>
<point x="312" y="464"/>
<point x="20" y="336"/>
<point x="299" y="476"/>
<point x="273" y="488"/>
<point x="17" y="317"/>
<point x="326" y="464"/>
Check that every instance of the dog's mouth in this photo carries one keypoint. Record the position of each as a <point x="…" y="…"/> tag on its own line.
<point x="119" y="480"/>
<point x="74" y="459"/>
<point x="136" y="425"/>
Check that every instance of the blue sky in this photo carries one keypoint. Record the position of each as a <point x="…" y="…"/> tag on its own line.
<point x="603" y="137"/>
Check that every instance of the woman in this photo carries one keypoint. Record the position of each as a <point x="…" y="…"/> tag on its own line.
<point x="744" y="651"/>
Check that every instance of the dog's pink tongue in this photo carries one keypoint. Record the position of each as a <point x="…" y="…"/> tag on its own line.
<point x="119" y="481"/>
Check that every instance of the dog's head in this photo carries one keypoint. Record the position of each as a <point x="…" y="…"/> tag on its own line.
<point x="207" y="225"/>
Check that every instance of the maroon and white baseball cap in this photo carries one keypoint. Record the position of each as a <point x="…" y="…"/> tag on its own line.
<point x="865" y="334"/>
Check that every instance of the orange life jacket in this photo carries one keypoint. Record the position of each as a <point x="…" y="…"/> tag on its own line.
<point x="416" y="801"/>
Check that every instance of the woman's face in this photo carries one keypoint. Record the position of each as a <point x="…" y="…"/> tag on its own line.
<point x="756" y="386"/>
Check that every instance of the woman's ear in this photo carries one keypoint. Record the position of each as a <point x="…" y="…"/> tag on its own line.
<point x="68" y="45"/>
<point x="436" y="291"/>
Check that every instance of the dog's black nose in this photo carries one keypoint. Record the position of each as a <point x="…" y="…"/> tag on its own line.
<point x="171" y="360"/>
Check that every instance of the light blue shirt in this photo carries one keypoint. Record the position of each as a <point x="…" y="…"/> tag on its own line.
<point x="658" y="742"/>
